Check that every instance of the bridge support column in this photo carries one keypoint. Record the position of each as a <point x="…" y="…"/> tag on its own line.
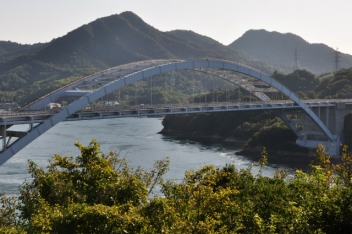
<point x="3" y="128"/>
<point x="31" y="125"/>
<point x="340" y="112"/>
<point x="3" y="131"/>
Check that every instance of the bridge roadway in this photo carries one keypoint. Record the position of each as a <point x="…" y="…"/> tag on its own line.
<point x="104" y="112"/>
<point x="34" y="118"/>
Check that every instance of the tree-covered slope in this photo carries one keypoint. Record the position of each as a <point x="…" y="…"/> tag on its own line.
<point x="103" y="43"/>
<point x="336" y="86"/>
<point x="279" y="49"/>
<point x="27" y="72"/>
<point x="209" y="43"/>
<point x="227" y="52"/>
<point x="10" y="49"/>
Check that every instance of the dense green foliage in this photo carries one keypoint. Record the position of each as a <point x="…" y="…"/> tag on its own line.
<point x="88" y="194"/>
<point x="10" y="49"/>
<point x="259" y="128"/>
<point x="299" y="80"/>
<point x="98" y="193"/>
<point x="241" y="125"/>
<point x="275" y="135"/>
<point x="337" y="87"/>
<point x="326" y="86"/>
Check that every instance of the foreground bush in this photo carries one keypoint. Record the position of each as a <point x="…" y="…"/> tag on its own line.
<point x="98" y="193"/>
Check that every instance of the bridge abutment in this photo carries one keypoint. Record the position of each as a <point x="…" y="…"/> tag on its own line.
<point x="331" y="147"/>
<point x="333" y="118"/>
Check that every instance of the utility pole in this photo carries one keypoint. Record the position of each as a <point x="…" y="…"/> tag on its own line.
<point x="295" y="63"/>
<point x="135" y="93"/>
<point x="217" y="89"/>
<point x="151" y="91"/>
<point x="205" y="90"/>
<point x="336" y="60"/>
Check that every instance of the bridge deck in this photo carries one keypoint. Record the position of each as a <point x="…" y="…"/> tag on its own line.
<point x="102" y="112"/>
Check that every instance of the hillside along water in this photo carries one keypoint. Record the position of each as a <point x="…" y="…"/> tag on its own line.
<point x="134" y="138"/>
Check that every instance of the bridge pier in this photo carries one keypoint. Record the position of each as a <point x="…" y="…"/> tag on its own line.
<point x="333" y="118"/>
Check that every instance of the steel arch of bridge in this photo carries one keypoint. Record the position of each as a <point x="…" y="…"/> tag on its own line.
<point x="155" y="68"/>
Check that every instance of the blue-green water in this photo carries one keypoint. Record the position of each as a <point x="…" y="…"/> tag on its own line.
<point x="134" y="138"/>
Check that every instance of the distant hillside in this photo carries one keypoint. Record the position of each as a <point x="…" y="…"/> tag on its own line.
<point x="226" y="51"/>
<point x="29" y="71"/>
<point x="10" y="49"/>
<point x="103" y="43"/>
<point x="278" y="49"/>
<point x="118" y="39"/>
<point x="208" y="43"/>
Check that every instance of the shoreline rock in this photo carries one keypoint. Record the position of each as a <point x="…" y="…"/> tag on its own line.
<point x="294" y="160"/>
<point x="207" y="138"/>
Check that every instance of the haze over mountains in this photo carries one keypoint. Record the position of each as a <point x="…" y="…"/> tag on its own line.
<point x="124" y="38"/>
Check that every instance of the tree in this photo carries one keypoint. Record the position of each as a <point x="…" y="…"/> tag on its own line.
<point x="91" y="193"/>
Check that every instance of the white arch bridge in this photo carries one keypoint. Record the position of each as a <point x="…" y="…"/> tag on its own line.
<point x="313" y="121"/>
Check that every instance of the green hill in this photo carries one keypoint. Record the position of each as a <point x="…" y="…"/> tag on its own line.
<point x="226" y="51"/>
<point x="29" y="71"/>
<point x="10" y="49"/>
<point x="278" y="50"/>
<point x="103" y="43"/>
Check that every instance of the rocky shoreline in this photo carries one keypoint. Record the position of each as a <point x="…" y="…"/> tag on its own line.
<point x="207" y="138"/>
<point x="294" y="160"/>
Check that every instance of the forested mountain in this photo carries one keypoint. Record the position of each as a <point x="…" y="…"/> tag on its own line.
<point x="226" y="51"/>
<point x="103" y="43"/>
<point x="10" y="49"/>
<point x="209" y="43"/>
<point x="278" y="50"/>
<point x="28" y="71"/>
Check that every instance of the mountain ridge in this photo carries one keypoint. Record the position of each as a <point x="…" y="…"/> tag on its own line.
<point x="278" y="49"/>
<point x="103" y="43"/>
<point x="109" y="41"/>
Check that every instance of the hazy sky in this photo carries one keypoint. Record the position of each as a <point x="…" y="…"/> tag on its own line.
<point x="316" y="21"/>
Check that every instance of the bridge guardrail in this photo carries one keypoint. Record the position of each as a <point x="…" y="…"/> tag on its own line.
<point x="178" y="105"/>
